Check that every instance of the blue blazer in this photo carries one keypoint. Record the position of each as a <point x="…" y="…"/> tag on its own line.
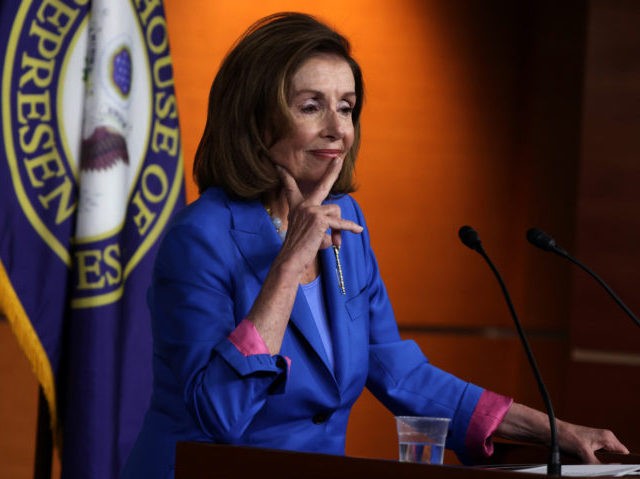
<point x="208" y="272"/>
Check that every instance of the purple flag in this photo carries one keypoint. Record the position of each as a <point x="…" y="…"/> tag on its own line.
<point x="90" y="172"/>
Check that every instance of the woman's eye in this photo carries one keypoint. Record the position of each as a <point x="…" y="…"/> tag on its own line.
<point x="310" y="107"/>
<point x="345" y="108"/>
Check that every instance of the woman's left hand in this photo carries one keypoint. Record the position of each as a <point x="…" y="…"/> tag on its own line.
<point x="524" y="423"/>
<point x="584" y="441"/>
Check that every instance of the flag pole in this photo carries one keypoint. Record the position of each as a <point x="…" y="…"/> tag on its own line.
<point x="44" y="440"/>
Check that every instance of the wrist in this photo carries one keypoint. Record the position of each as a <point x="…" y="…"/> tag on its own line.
<point x="286" y="271"/>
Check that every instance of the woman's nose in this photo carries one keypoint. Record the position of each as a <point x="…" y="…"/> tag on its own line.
<point x="334" y="126"/>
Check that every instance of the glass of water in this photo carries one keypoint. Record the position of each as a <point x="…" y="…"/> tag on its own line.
<point x="422" y="439"/>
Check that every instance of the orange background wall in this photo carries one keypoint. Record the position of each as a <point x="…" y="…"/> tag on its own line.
<point x="441" y="132"/>
<point x="446" y="141"/>
<point x="499" y="114"/>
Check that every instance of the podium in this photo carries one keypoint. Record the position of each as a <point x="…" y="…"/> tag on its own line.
<point x="216" y="461"/>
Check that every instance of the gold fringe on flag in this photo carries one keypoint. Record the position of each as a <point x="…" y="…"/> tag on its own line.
<point x="11" y="308"/>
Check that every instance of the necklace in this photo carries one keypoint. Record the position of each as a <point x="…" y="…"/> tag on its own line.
<point x="277" y="223"/>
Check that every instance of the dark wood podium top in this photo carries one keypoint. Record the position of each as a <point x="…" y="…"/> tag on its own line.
<point x="203" y="460"/>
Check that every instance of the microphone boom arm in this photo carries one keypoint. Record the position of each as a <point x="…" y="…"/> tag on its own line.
<point x="545" y="242"/>
<point x="606" y="287"/>
<point x="554" y="467"/>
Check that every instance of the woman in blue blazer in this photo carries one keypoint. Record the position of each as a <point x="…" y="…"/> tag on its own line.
<point x="269" y="313"/>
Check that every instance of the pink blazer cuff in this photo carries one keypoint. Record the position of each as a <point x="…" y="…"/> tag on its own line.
<point x="486" y="417"/>
<point x="247" y="339"/>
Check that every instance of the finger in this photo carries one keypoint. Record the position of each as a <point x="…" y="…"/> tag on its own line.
<point x="291" y="190"/>
<point x="330" y="176"/>
<point x="619" y="447"/>
<point x="611" y="443"/>
<point x="326" y="242"/>
<point x="336" y="237"/>
<point x="589" y="457"/>
<point x="339" y="224"/>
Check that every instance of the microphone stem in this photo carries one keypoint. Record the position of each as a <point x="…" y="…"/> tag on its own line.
<point x="592" y="273"/>
<point x="553" y="466"/>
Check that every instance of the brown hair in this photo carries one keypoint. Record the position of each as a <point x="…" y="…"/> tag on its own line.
<point x="248" y="103"/>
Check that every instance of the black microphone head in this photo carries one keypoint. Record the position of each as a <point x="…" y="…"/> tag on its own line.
<point x="470" y="238"/>
<point x="541" y="240"/>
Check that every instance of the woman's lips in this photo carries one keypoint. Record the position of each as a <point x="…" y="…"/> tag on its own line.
<point x="326" y="153"/>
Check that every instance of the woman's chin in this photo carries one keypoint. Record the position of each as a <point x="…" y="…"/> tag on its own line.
<point x="308" y="185"/>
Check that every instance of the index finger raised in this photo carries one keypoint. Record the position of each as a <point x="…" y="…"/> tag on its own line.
<point x="330" y="176"/>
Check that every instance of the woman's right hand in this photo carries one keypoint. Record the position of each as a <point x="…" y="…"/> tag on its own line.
<point x="309" y="220"/>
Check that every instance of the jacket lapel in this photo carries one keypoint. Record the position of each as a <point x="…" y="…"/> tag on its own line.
<point x="259" y="244"/>
<point x="302" y="319"/>
<point x="336" y="310"/>
<point x="254" y="235"/>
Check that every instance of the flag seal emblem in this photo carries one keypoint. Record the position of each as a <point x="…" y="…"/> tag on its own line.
<point x="92" y="143"/>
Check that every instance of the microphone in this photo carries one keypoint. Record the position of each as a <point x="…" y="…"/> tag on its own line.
<point x="545" y="242"/>
<point x="470" y="238"/>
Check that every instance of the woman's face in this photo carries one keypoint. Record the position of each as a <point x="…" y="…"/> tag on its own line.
<point x="321" y="100"/>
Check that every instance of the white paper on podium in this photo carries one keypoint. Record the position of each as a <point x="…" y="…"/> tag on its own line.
<point x="591" y="470"/>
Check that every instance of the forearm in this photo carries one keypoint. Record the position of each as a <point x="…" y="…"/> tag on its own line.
<point x="525" y="424"/>
<point x="272" y="308"/>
